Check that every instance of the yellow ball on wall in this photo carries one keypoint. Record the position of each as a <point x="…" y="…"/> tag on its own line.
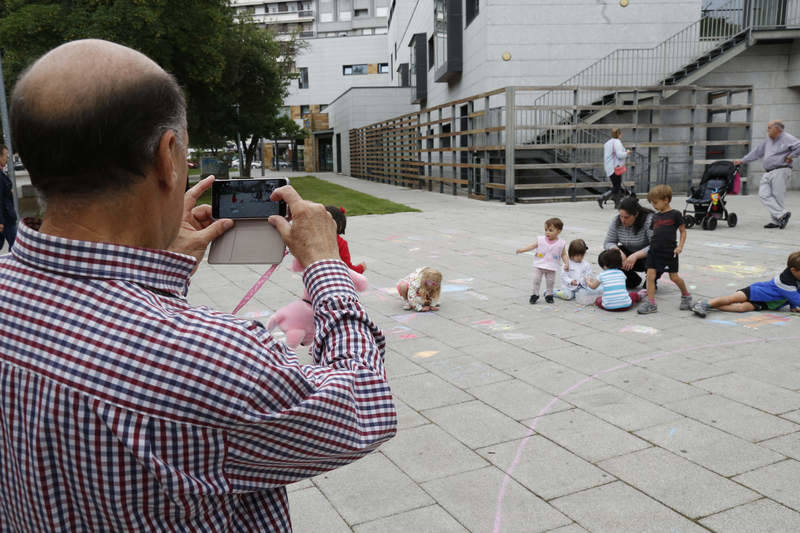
<point x="623" y="3"/>
<point x="506" y="56"/>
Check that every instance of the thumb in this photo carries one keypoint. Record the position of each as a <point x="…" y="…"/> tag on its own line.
<point x="282" y="225"/>
<point x="215" y="230"/>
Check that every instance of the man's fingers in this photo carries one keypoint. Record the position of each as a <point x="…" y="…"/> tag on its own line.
<point x="215" y="230"/>
<point x="282" y="225"/>
<point x="194" y="193"/>
<point x="287" y="194"/>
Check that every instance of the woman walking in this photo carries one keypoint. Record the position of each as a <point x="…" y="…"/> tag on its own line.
<point x="614" y="155"/>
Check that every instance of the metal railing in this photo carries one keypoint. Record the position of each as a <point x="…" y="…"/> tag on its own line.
<point x="664" y="63"/>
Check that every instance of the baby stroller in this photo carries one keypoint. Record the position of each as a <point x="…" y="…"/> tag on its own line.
<point x="707" y="200"/>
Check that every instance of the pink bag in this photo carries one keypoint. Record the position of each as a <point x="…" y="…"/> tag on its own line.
<point x="737" y="183"/>
<point x="618" y="170"/>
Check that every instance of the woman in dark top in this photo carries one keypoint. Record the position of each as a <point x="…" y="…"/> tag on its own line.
<point x="630" y="232"/>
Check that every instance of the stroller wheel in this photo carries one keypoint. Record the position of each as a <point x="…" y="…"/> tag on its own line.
<point x="689" y="221"/>
<point x="710" y="223"/>
<point x="732" y="220"/>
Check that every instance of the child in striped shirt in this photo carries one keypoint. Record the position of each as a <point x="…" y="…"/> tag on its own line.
<point x="612" y="282"/>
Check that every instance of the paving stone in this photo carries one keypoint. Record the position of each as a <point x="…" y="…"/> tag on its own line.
<point x="432" y="519"/>
<point x="572" y="528"/>
<point x="544" y="467"/>
<point x="794" y="416"/>
<point x="369" y="489"/>
<point x="621" y="408"/>
<point x="777" y="481"/>
<point x="300" y="485"/>
<point x="501" y="355"/>
<point x="775" y="373"/>
<point x="682" y="368"/>
<point x="407" y="417"/>
<point x="619" y="508"/>
<point x="733" y="417"/>
<point x="427" y="452"/>
<point x="398" y="365"/>
<point x="709" y="447"/>
<point x="310" y="511"/>
<point x="788" y="445"/>
<point x="425" y="391"/>
<point x="649" y="385"/>
<point x="585" y="435"/>
<point x="518" y="400"/>
<point x="610" y="344"/>
<point x="465" y="371"/>
<point x="763" y="516"/>
<point x="555" y="378"/>
<point x="748" y="391"/>
<point x="472" y="499"/>
<point x="476" y="424"/>
<point x="685" y="487"/>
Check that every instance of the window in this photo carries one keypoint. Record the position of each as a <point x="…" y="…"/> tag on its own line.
<point x="323" y="107"/>
<point x="326" y="17"/>
<point x="472" y="10"/>
<point x="304" y="110"/>
<point x="381" y="11"/>
<point x="362" y="12"/>
<point x="345" y="15"/>
<point x="381" y="31"/>
<point x="302" y="81"/>
<point x="383" y="68"/>
<point x="440" y="31"/>
<point x="431" y="57"/>
<point x="355" y="70"/>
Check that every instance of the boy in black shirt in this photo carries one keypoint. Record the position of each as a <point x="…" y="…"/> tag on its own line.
<point x="664" y="249"/>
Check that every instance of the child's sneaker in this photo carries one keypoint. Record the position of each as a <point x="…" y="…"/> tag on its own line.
<point x="647" y="307"/>
<point x="686" y="302"/>
<point x="700" y="308"/>
<point x="533" y="298"/>
<point x="548" y="298"/>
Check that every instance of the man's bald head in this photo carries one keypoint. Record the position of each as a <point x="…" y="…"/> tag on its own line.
<point x="87" y="117"/>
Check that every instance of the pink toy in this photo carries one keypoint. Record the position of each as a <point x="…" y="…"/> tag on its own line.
<point x="297" y="318"/>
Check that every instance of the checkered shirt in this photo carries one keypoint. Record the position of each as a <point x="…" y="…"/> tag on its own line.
<point x="124" y="408"/>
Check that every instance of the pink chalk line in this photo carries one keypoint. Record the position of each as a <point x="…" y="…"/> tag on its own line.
<point x="258" y="284"/>
<point x="498" y="517"/>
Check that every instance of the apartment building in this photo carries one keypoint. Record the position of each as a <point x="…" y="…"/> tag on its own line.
<point x="345" y="47"/>
<point x="316" y="18"/>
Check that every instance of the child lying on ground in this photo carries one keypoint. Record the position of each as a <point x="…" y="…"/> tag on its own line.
<point x="770" y="295"/>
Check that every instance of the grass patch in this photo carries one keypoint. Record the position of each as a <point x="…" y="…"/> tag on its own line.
<point x="355" y="203"/>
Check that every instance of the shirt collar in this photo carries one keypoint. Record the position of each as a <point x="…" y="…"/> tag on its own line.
<point x="156" y="269"/>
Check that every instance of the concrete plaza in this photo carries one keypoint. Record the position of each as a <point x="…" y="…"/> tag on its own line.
<point x="562" y="418"/>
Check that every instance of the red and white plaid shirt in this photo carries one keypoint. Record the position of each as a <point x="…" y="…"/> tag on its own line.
<point x="123" y="408"/>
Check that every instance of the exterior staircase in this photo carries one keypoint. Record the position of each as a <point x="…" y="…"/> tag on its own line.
<point x="718" y="36"/>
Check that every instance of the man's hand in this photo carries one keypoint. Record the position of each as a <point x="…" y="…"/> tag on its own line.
<point x="198" y="229"/>
<point x="678" y="251"/>
<point x="737" y="162"/>
<point x="788" y="159"/>
<point x="312" y="234"/>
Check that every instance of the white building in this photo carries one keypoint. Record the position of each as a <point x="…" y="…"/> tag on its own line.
<point x="449" y="50"/>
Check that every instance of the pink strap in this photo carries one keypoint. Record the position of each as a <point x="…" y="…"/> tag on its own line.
<point x="258" y="284"/>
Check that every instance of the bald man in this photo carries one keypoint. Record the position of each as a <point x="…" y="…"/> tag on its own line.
<point x="122" y="407"/>
<point x="778" y="151"/>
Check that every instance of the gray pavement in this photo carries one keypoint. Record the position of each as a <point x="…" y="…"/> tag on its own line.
<point x="562" y="417"/>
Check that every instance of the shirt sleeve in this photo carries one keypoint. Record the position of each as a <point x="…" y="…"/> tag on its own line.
<point x="611" y="237"/>
<point x="755" y="154"/>
<point x="794" y="145"/>
<point x="302" y="420"/>
<point x="621" y="154"/>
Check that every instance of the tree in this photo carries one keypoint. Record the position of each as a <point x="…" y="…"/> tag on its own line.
<point x="218" y="62"/>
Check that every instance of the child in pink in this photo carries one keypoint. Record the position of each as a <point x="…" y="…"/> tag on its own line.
<point x="549" y="250"/>
<point x="338" y="215"/>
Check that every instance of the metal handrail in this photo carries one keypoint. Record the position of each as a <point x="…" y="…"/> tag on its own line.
<point x="655" y="66"/>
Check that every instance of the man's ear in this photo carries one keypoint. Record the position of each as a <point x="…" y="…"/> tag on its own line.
<point x="164" y="164"/>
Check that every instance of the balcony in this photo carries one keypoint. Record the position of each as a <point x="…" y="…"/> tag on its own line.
<point x="283" y="17"/>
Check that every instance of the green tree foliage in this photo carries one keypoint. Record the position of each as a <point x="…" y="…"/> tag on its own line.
<point x="220" y="63"/>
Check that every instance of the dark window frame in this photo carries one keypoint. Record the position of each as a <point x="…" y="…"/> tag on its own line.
<point x="302" y="78"/>
<point x="472" y="8"/>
